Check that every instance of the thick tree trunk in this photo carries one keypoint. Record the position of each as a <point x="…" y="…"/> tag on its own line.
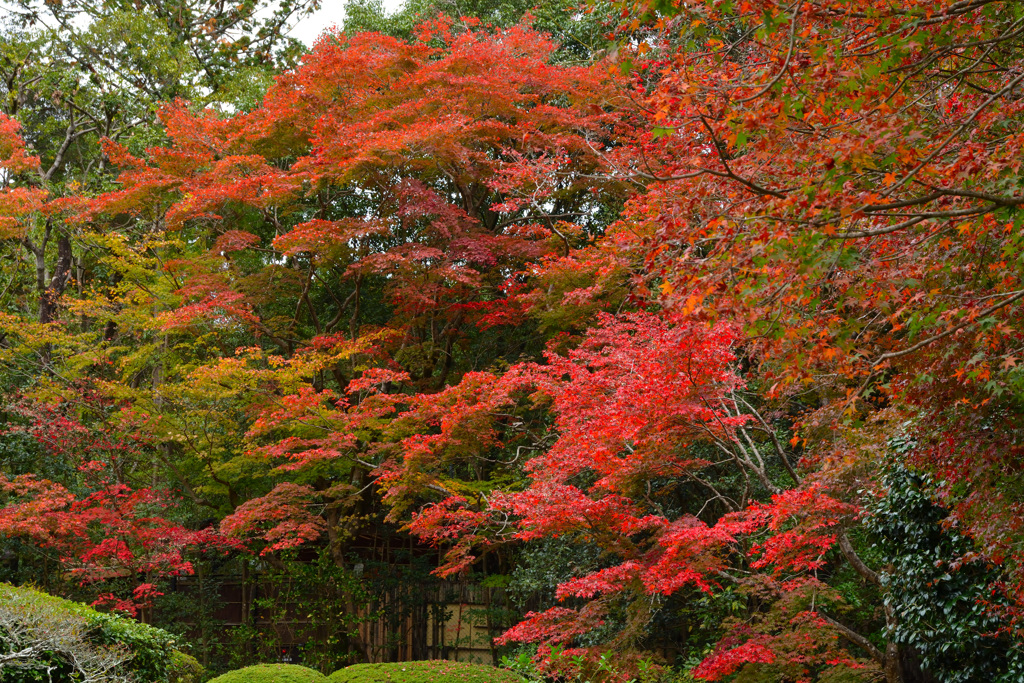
<point x="893" y="671"/>
<point x="50" y="293"/>
<point x="49" y="288"/>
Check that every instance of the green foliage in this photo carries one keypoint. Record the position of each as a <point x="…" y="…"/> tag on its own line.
<point x="941" y="596"/>
<point x="271" y="673"/>
<point x="150" y="649"/>
<point x="546" y="563"/>
<point x="437" y="671"/>
<point x="329" y="596"/>
<point x="184" y="668"/>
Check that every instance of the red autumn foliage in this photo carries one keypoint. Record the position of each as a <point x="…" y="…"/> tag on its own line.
<point x="112" y="532"/>
<point x="103" y="529"/>
<point x="820" y="243"/>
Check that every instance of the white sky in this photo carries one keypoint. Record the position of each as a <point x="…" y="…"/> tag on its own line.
<point x="331" y="12"/>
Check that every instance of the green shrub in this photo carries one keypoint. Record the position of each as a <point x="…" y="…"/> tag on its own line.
<point x="434" y="671"/>
<point x="62" y="635"/>
<point x="184" y="668"/>
<point x="271" y="673"/>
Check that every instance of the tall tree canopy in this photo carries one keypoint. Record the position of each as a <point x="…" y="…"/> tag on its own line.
<point x="730" y="314"/>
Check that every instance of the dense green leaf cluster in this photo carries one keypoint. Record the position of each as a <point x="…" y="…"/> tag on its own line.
<point x="942" y="603"/>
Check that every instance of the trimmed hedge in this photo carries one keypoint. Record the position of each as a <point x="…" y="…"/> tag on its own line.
<point x="151" y="648"/>
<point x="433" y="671"/>
<point x="271" y="673"/>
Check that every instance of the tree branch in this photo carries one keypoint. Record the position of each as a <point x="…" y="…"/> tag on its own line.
<point x="855" y="638"/>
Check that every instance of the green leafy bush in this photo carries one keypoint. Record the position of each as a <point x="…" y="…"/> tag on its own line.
<point x="271" y="673"/>
<point x="73" y="639"/>
<point x="943" y="599"/>
<point x="184" y="669"/>
<point x="435" y="671"/>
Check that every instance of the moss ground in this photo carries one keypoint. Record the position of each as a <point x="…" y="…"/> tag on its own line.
<point x="436" y="671"/>
<point x="271" y="673"/>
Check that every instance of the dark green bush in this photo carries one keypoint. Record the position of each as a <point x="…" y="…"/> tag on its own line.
<point x="944" y="603"/>
<point x="33" y="617"/>
<point x="271" y="673"/>
<point x="435" y="671"/>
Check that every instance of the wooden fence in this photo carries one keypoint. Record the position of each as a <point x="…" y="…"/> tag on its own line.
<point x="443" y="620"/>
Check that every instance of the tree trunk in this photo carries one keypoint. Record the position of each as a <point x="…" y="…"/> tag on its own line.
<point x="893" y="673"/>
<point x="51" y="293"/>
<point x="337" y="548"/>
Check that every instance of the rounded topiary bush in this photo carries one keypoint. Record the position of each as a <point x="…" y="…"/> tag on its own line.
<point x="434" y="671"/>
<point x="271" y="673"/>
<point x="184" y="668"/>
